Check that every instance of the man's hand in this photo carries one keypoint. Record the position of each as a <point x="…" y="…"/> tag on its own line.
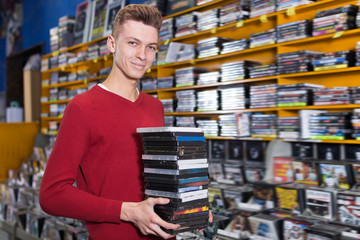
<point x="143" y="216"/>
<point x="210" y="221"/>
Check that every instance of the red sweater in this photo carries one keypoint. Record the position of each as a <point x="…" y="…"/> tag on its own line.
<point x="98" y="147"/>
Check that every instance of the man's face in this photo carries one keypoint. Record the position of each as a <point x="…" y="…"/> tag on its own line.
<point x="135" y="49"/>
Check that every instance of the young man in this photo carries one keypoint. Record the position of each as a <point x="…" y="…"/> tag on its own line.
<point x="98" y="148"/>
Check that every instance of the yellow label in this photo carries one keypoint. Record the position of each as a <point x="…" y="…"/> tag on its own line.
<point x="290" y="11"/>
<point x="149" y="70"/>
<point x="56" y="53"/>
<point x="192" y="61"/>
<point x="263" y="18"/>
<point x="105" y="58"/>
<point x="72" y="65"/>
<point x="338" y="34"/>
<point x="213" y="31"/>
<point x="62" y="68"/>
<point x="95" y="60"/>
<point x="240" y="23"/>
<point x="167" y="42"/>
<point x="85" y="81"/>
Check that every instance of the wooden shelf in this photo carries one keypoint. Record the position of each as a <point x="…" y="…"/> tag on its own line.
<point x="314" y="73"/>
<point x="51" y="119"/>
<point x="56" y="102"/>
<point x="346" y="106"/>
<point x="74" y="65"/>
<point x="66" y="84"/>
<point x="220" y="56"/>
<point x="346" y="141"/>
<point x="219" y="112"/>
<point x="239" y="138"/>
<point x="72" y="48"/>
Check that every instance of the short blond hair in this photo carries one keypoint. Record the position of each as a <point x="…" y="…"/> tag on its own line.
<point x="137" y="12"/>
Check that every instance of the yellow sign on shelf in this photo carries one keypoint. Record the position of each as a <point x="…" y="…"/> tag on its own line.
<point x="290" y="11"/>
<point x="95" y="60"/>
<point x="263" y="18"/>
<point x="149" y="70"/>
<point x="213" y="31"/>
<point x="56" y="53"/>
<point x="240" y="23"/>
<point x="167" y="42"/>
<point x="192" y="61"/>
<point x="338" y="34"/>
<point x="105" y="58"/>
<point x="85" y="81"/>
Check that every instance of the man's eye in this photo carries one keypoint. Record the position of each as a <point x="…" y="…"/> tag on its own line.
<point x="152" y="48"/>
<point x="132" y="43"/>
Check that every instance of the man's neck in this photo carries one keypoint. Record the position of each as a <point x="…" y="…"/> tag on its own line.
<point x="120" y="85"/>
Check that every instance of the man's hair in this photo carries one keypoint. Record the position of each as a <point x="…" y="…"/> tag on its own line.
<point x="137" y="12"/>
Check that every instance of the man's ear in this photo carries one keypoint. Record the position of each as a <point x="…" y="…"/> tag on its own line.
<point x="111" y="43"/>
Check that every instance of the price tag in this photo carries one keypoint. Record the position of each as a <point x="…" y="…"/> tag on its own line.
<point x="72" y="65"/>
<point x="213" y="31"/>
<point x="240" y="23"/>
<point x="263" y="18"/>
<point x="63" y="68"/>
<point x="290" y="11"/>
<point x="192" y="61"/>
<point x="55" y="54"/>
<point x="85" y="81"/>
<point x="338" y="34"/>
<point x="149" y="70"/>
<point x="95" y="60"/>
<point x="105" y="58"/>
<point x="167" y="42"/>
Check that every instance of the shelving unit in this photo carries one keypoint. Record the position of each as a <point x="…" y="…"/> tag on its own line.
<point x="345" y="40"/>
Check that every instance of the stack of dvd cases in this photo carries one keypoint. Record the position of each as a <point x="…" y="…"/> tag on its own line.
<point x="168" y="105"/>
<point x="236" y="70"/>
<point x="185" y="121"/>
<point x="263" y="71"/>
<point x="264" y="38"/>
<point x="161" y="55"/>
<point x="208" y="19"/>
<point x="166" y="30"/>
<point x="176" y="167"/>
<point x="186" y="101"/>
<point x="234" y="12"/>
<point x="209" y="77"/>
<point x="169" y="121"/>
<point x="93" y="51"/>
<point x="165" y="82"/>
<point x="66" y="29"/>
<point x="293" y="31"/>
<point x="262" y="7"/>
<point x="186" y="24"/>
<point x="334" y="60"/>
<point x="357" y="52"/>
<point x="148" y="83"/>
<point x="207" y="100"/>
<point x="54" y="39"/>
<point x="332" y="96"/>
<point x="296" y="95"/>
<point x="228" y="126"/>
<point x="288" y="127"/>
<point x="336" y="19"/>
<point x="233" y="46"/>
<point x="233" y="97"/>
<point x="210" y="46"/>
<point x="209" y="127"/>
<point x="293" y="62"/>
<point x="263" y="96"/>
<point x="330" y="126"/>
<point x="263" y="125"/>
<point x="284" y="4"/>
<point x="187" y="76"/>
<point x="355" y="95"/>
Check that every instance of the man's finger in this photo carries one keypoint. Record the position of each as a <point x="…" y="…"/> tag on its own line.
<point x="156" y="228"/>
<point x="210" y="217"/>
<point x="166" y="225"/>
<point x="161" y="201"/>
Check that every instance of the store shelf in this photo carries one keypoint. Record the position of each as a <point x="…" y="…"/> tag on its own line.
<point x="22" y="235"/>
<point x="56" y="102"/>
<point x="240" y="138"/>
<point x="51" y="119"/>
<point x="314" y="73"/>
<point x="346" y="141"/>
<point x="346" y="106"/>
<point x="219" y="112"/>
<point x="66" y="84"/>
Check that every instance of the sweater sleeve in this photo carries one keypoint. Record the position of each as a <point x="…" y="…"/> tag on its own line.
<point x="58" y="196"/>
